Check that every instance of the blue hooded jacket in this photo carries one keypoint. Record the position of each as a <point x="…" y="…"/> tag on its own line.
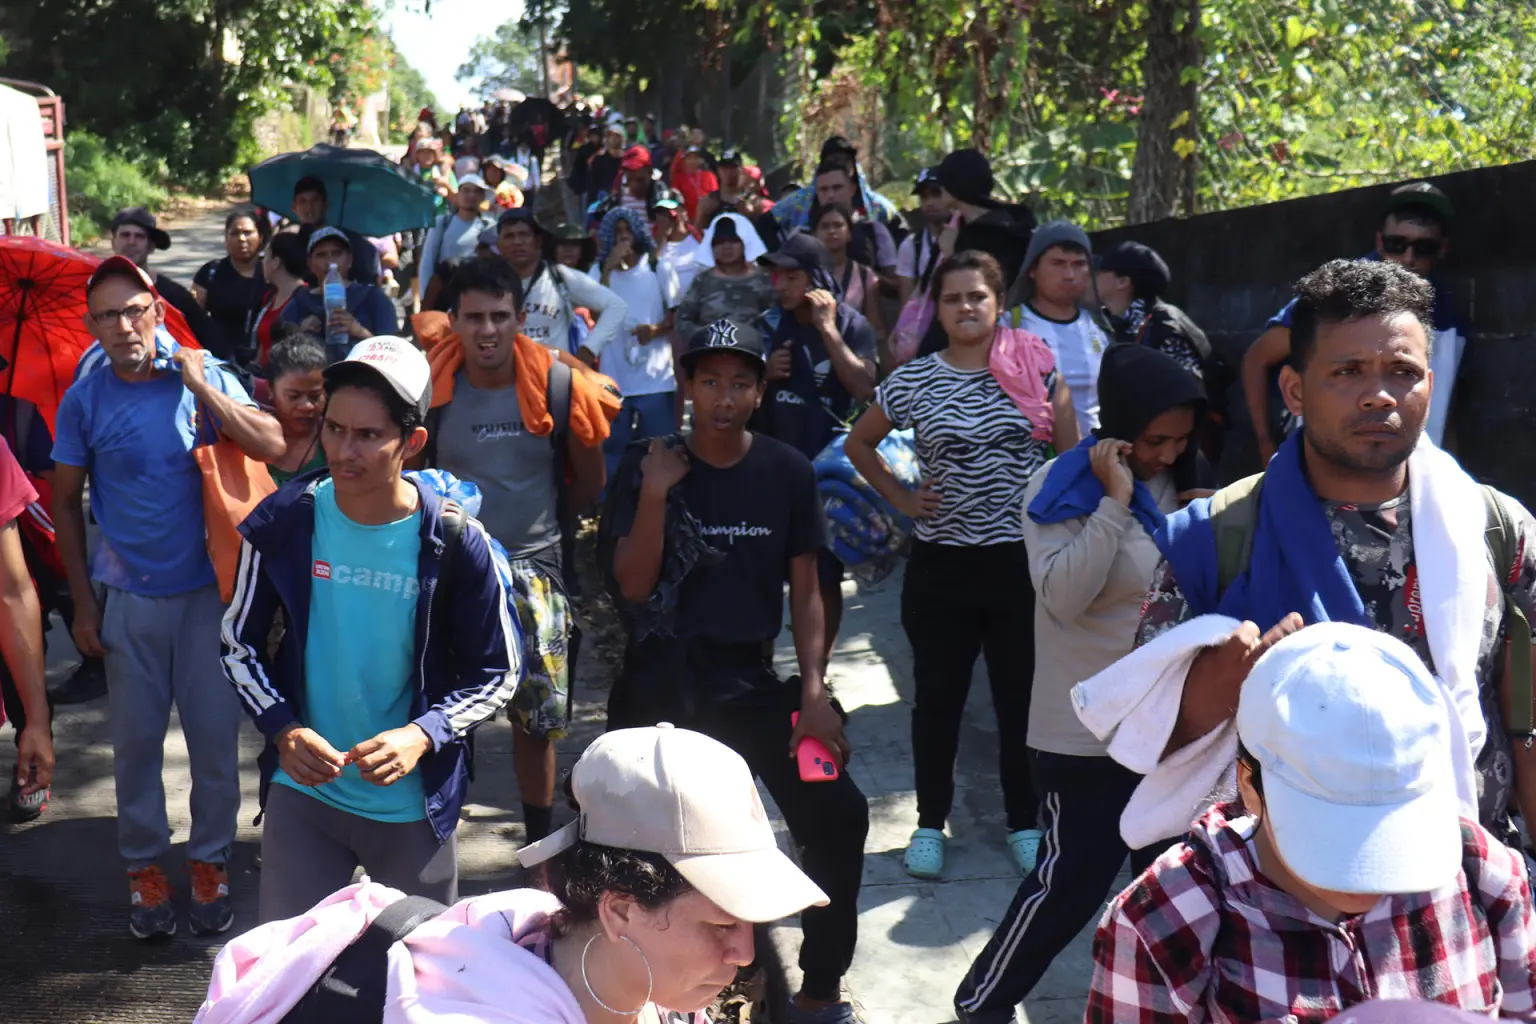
<point x="466" y="667"/>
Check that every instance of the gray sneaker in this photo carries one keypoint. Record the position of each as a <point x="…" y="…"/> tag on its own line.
<point x="152" y="916"/>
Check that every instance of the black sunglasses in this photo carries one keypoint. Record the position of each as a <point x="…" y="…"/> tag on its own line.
<point x="1423" y="248"/>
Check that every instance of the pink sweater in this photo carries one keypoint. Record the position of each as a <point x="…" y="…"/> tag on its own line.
<point x="479" y="960"/>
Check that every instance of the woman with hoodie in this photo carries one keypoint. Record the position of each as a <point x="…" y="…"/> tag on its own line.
<point x="984" y="412"/>
<point x="1089" y="519"/>
<point x="648" y="902"/>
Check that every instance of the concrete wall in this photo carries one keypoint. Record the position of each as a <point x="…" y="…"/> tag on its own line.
<point x="1232" y="271"/>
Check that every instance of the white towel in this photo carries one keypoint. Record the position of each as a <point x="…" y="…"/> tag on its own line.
<point x="1134" y="704"/>
<point x="1143" y="690"/>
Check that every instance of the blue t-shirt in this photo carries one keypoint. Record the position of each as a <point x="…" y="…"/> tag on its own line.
<point x="361" y="644"/>
<point x="146" y="489"/>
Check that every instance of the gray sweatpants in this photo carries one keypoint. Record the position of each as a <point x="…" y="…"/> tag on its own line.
<point x="159" y="650"/>
<point x="309" y="849"/>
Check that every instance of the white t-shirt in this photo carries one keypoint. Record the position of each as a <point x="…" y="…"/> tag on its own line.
<point x="972" y="442"/>
<point x="639" y="369"/>
<point x="681" y="267"/>
<point x="915" y="253"/>
<point x="1079" y="349"/>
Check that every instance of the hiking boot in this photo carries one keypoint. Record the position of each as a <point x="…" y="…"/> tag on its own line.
<point x="88" y="683"/>
<point x="29" y="807"/>
<point x="210" y="912"/>
<point x="152" y="916"/>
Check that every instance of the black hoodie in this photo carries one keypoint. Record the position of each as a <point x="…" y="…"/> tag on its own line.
<point x="1137" y="385"/>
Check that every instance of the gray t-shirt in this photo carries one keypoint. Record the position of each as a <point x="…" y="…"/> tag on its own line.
<point x="483" y="440"/>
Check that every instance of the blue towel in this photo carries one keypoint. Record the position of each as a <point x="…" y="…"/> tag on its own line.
<point x="1072" y="491"/>
<point x="1295" y="565"/>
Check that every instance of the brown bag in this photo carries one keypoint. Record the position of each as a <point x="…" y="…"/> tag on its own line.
<point x="233" y="485"/>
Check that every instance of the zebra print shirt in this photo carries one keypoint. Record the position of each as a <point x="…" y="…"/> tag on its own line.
<point x="972" y="442"/>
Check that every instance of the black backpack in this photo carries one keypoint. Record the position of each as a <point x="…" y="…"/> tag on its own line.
<point x="351" y="991"/>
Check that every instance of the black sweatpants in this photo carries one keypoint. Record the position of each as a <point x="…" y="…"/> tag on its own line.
<point x="958" y="603"/>
<point x="1081" y="800"/>
<point x="827" y="820"/>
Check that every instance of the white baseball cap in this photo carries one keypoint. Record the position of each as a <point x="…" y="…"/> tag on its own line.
<point x="475" y="180"/>
<point x="691" y="799"/>
<point x="1353" y="736"/>
<point x="399" y="363"/>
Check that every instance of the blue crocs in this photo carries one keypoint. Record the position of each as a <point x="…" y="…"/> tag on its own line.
<point x="1025" y="847"/>
<point x="925" y="854"/>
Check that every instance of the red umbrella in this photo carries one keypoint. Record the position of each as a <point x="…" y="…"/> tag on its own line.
<point x="42" y="320"/>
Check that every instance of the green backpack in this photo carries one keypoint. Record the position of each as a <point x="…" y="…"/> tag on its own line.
<point x="1235" y="515"/>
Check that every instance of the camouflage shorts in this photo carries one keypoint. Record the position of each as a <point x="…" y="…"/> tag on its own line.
<point x="542" y="704"/>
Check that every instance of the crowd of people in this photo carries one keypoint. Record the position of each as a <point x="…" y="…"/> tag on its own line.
<point x="1294" y="702"/>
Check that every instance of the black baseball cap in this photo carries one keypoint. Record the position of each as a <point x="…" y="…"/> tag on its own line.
<point x="142" y="218"/>
<point x="800" y="251"/>
<point x="730" y="156"/>
<point x="1147" y="270"/>
<point x="927" y="179"/>
<point x="1423" y="195"/>
<point x="725" y="336"/>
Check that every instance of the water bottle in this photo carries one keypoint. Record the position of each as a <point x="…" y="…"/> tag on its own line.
<point x="337" y="341"/>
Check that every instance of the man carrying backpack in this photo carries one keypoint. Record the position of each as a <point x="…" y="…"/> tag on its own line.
<point x="453" y="237"/>
<point x="528" y="464"/>
<point x="551" y="294"/>
<point x="396" y="642"/>
<point x="1359" y="518"/>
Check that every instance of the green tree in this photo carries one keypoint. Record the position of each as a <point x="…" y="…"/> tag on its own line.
<point x="509" y="59"/>
<point x="176" y="85"/>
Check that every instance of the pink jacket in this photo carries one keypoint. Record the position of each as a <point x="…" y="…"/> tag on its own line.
<point x="466" y="964"/>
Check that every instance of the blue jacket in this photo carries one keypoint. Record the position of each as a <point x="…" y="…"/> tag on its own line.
<point x="467" y="667"/>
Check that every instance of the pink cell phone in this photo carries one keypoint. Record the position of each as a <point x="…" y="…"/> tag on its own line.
<point x="816" y="762"/>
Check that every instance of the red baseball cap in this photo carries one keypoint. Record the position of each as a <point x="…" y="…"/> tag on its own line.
<point x="120" y="266"/>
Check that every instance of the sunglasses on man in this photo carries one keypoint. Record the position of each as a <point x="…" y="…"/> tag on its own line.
<point x="1423" y="248"/>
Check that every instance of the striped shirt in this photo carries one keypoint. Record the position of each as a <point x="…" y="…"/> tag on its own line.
<point x="973" y="444"/>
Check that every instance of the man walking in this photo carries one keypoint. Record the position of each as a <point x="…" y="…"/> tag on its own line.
<point x="397" y="643"/>
<point x="131" y="428"/>
<point x="483" y="436"/>
<point x="454" y="237"/>
<point x="551" y="293"/>
<point x="135" y="235"/>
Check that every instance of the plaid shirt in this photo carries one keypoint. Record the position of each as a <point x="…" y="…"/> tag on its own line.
<point x="1204" y="936"/>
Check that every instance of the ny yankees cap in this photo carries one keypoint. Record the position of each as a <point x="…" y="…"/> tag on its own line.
<point x="725" y="336"/>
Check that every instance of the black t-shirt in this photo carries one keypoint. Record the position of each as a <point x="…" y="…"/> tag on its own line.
<point x="203" y="328"/>
<point x="762" y="512"/>
<point x="232" y="299"/>
<point x="806" y="410"/>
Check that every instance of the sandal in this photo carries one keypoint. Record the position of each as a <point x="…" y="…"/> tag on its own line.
<point x="925" y="854"/>
<point x="1025" y="847"/>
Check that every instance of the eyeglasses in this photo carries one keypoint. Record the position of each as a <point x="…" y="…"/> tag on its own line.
<point x="1423" y="248"/>
<point x="110" y="317"/>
